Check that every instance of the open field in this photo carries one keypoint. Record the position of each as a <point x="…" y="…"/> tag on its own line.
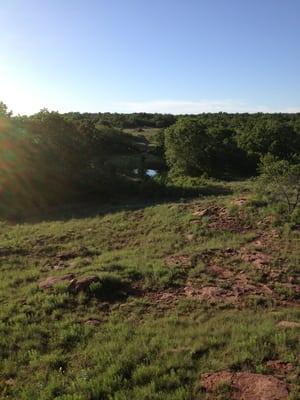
<point x="139" y="303"/>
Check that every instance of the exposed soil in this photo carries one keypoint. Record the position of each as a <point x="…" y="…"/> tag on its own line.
<point x="288" y="324"/>
<point x="53" y="281"/>
<point x="179" y="260"/>
<point x="221" y="219"/>
<point x="280" y="368"/>
<point x="74" y="284"/>
<point x="245" y="386"/>
<point x="93" y="322"/>
<point x="240" y="201"/>
<point x="223" y="280"/>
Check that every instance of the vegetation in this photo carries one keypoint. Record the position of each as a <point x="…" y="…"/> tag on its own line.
<point x="229" y="146"/>
<point x="280" y="182"/>
<point x="80" y="156"/>
<point x="116" y="285"/>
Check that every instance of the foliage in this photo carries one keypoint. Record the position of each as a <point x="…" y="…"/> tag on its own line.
<point x="4" y="110"/>
<point x="280" y="182"/>
<point x="186" y="145"/>
<point x="269" y="136"/>
<point x="49" y="159"/>
<point x="194" y="148"/>
<point x="223" y="145"/>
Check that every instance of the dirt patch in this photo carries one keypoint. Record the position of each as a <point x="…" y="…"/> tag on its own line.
<point x="221" y="219"/>
<point x="208" y="293"/>
<point x="83" y="284"/>
<point x="189" y="237"/>
<point x="213" y="257"/>
<point x="168" y="297"/>
<point x="280" y="367"/>
<point x="205" y="211"/>
<point x="292" y="288"/>
<point x="242" y="285"/>
<point x="288" y="324"/>
<point x="52" y="281"/>
<point x="220" y="271"/>
<point x="73" y="284"/>
<point x="256" y="258"/>
<point x="240" y="201"/>
<point x="179" y="260"/>
<point x="246" y="386"/>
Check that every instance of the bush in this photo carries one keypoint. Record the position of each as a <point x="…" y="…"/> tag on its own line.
<point x="279" y="182"/>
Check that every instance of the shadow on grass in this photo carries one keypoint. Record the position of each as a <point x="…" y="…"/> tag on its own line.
<point x="145" y="194"/>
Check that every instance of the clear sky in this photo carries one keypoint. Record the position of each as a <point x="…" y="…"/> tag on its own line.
<point x="150" y="55"/>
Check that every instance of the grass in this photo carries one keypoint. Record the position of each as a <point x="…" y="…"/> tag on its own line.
<point x="142" y="347"/>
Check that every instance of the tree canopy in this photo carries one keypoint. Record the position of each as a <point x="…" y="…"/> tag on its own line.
<point x="49" y="158"/>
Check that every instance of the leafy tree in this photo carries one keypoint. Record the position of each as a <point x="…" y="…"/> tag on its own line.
<point x="193" y="147"/>
<point x="279" y="181"/>
<point x="186" y="144"/>
<point x="4" y="113"/>
<point x="269" y="136"/>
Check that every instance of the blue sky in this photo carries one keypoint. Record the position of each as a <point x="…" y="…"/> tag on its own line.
<point x="150" y="55"/>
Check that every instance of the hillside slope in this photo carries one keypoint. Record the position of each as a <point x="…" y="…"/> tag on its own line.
<point x="149" y="301"/>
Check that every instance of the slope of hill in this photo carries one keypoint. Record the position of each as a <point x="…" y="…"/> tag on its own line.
<point x="186" y="300"/>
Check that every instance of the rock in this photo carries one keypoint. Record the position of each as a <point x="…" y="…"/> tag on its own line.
<point x="83" y="284"/>
<point x="189" y="237"/>
<point x="240" y="201"/>
<point x="201" y="213"/>
<point x="59" y="266"/>
<point x="246" y="386"/>
<point x="93" y="322"/>
<point x="74" y="284"/>
<point x="288" y="324"/>
<point x="10" y="382"/>
<point x="210" y="382"/>
<point x="55" y="280"/>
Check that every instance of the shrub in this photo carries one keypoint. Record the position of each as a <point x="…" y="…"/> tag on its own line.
<point x="279" y="182"/>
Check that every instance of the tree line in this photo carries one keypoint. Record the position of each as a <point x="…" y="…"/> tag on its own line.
<point x="51" y="158"/>
<point x="230" y="144"/>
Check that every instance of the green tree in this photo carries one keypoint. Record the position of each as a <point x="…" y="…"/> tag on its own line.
<point x="187" y="144"/>
<point x="279" y="181"/>
<point x="268" y="136"/>
<point x="4" y="113"/>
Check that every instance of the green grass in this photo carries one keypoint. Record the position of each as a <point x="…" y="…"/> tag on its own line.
<point x="142" y="348"/>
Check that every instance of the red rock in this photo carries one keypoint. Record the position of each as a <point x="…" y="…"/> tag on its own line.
<point x="55" y="280"/>
<point x="247" y="386"/>
<point x="83" y="284"/>
<point x="93" y="322"/>
<point x="288" y="324"/>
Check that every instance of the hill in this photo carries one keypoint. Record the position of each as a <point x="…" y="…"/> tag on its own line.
<point x="190" y="299"/>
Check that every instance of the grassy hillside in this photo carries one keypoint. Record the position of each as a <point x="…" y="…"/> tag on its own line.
<point x="173" y="291"/>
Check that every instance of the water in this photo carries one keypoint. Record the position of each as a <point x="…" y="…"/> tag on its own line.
<point x="149" y="172"/>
